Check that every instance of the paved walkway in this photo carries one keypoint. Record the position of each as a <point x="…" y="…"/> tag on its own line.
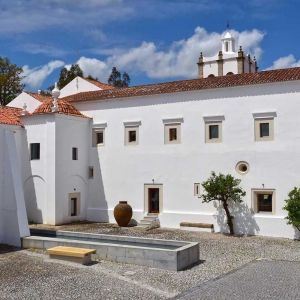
<point x="257" y="280"/>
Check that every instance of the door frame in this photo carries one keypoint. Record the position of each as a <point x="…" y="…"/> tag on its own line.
<point x="146" y="196"/>
<point x="78" y="196"/>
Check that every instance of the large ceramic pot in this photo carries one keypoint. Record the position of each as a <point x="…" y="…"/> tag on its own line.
<point x="123" y="213"/>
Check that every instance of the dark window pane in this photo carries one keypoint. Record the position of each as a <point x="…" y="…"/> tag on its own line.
<point x="74" y="153"/>
<point x="100" y="137"/>
<point x="264" y="202"/>
<point x="73" y="207"/>
<point x="264" y="129"/>
<point x="34" y="151"/>
<point x="213" y="132"/>
<point x="173" y="134"/>
<point x="132" y="136"/>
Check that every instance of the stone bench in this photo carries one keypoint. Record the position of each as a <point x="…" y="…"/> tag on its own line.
<point x="79" y="255"/>
<point x="197" y="226"/>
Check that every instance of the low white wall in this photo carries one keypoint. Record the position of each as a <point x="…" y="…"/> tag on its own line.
<point x="13" y="217"/>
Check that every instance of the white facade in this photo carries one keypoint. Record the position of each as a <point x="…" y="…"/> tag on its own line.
<point x="122" y="171"/>
<point x="13" y="217"/>
<point x="129" y="146"/>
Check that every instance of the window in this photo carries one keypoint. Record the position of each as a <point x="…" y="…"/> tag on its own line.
<point x="34" y="151"/>
<point x="98" y="134"/>
<point x="172" y="130"/>
<point x="264" y="201"/>
<point x="264" y="126"/>
<point x="91" y="172"/>
<point x="213" y="129"/>
<point x="197" y="189"/>
<point x="74" y="153"/>
<point x="226" y="46"/>
<point x="242" y="167"/>
<point x="131" y="137"/>
<point x="73" y="207"/>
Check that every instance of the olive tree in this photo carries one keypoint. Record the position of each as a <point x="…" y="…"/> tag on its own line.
<point x="292" y="206"/>
<point x="226" y="189"/>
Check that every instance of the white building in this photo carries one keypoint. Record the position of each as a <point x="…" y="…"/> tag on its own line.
<point x="153" y="145"/>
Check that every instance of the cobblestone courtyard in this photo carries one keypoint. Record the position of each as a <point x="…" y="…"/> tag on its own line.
<point x="230" y="268"/>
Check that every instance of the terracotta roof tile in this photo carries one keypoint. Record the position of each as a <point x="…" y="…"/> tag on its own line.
<point x="38" y="96"/>
<point x="64" y="107"/>
<point x="101" y="85"/>
<point x="10" y="115"/>
<point x="190" y="85"/>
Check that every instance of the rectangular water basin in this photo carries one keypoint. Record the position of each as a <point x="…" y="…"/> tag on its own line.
<point x="157" y="253"/>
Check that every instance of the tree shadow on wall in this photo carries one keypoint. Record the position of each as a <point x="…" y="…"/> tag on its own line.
<point x="243" y="221"/>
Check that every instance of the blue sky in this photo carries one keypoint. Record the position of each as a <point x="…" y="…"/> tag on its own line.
<point x="154" y="41"/>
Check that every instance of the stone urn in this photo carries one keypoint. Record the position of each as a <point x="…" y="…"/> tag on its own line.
<point x="123" y="213"/>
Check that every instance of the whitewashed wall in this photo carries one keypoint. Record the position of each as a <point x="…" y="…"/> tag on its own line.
<point x="30" y="101"/>
<point x="13" y="217"/>
<point x="123" y="170"/>
<point x="78" y="85"/>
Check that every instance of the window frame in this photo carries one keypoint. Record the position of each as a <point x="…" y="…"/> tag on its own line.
<point x="197" y="187"/>
<point x="132" y="126"/>
<point x="96" y="129"/>
<point x="256" y="192"/>
<point x="31" y="151"/>
<point x="213" y="121"/>
<point x="169" y="124"/>
<point x="260" y="118"/>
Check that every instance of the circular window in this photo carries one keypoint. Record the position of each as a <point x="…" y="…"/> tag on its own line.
<point x="242" y="167"/>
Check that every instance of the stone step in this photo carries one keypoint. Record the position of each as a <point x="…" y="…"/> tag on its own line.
<point x="146" y="222"/>
<point x="150" y="218"/>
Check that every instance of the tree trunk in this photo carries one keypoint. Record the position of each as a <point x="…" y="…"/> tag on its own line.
<point x="229" y="217"/>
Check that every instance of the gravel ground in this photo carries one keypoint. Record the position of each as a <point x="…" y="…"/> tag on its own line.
<point x="219" y="255"/>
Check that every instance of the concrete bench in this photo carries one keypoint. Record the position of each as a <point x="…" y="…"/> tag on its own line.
<point x="197" y="226"/>
<point x="79" y="255"/>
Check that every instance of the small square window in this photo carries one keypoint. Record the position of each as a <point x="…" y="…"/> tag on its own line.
<point x="264" y="201"/>
<point x="74" y="153"/>
<point x="172" y="133"/>
<point x="35" y="151"/>
<point x="264" y="129"/>
<point x="131" y="135"/>
<point x="213" y="132"/>
<point x="98" y="137"/>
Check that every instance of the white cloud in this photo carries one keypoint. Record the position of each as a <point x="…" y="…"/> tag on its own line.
<point x="36" y="76"/>
<point x="284" y="62"/>
<point x="177" y="60"/>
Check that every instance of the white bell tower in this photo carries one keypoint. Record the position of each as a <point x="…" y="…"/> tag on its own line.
<point x="228" y="43"/>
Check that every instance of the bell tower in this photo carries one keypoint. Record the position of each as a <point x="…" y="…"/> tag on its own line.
<point x="227" y="61"/>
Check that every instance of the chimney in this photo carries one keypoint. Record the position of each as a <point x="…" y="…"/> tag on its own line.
<point x="55" y="94"/>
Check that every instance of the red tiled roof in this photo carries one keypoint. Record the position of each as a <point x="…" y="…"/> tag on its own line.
<point x="190" y="85"/>
<point x="100" y="84"/>
<point x="10" y="115"/>
<point x="64" y="107"/>
<point x="38" y="96"/>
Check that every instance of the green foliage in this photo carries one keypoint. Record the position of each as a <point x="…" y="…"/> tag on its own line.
<point x="67" y="76"/>
<point x="224" y="188"/>
<point x="10" y="81"/>
<point x="118" y="80"/>
<point x="292" y="206"/>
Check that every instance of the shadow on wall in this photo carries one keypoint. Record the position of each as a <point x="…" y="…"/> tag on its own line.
<point x="34" y="213"/>
<point x="297" y="234"/>
<point x="244" y="222"/>
<point x="97" y="203"/>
